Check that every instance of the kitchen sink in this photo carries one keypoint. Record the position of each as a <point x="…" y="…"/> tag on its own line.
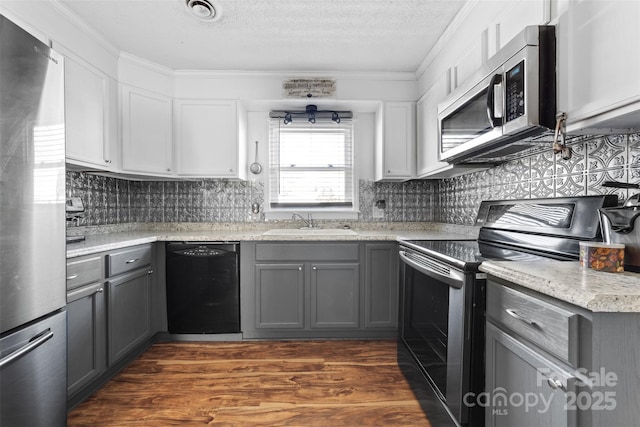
<point x="309" y="232"/>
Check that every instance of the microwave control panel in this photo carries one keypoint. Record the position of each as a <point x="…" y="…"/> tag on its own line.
<point x="514" y="94"/>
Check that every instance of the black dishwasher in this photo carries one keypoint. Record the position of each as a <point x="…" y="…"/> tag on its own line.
<point x="203" y="288"/>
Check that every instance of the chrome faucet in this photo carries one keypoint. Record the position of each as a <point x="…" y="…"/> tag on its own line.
<point x="307" y="222"/>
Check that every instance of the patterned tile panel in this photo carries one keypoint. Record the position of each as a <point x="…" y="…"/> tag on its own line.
<point x="537" y="174"/>
<point x="542" y="174"/>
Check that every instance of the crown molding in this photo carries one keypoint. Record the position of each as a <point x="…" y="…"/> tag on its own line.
<point x="281" y="74"/>
<point x="76" y="20"/>
<point x="445" y="37"/>
<point x="145" y="63"/>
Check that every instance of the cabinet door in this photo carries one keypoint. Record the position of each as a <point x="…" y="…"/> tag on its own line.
<point x="397" y="142"/>
<point x="467" y="64"/>
<point x="381" y="285"/>
<point x="207" y="142"/>
<point x="146" y="132"/>
<point x="603" y="59"/>
<point x="86" y="336"/>
<point x="512" y="18"/>
<point x="518" y="384"/>
<point x="129" y="312"/>
<point x="279" y="295"/>
<point x="87" y="116"/>
<point x="427" y="127"/>
<point x="335" y="296"/>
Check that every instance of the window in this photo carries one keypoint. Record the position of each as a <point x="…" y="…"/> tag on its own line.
<point x="311" y="165"/>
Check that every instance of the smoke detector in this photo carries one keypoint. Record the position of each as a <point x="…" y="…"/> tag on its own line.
<point x="204" y="10"/>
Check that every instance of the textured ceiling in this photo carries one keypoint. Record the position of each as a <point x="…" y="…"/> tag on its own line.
<point x="274" y="35"/>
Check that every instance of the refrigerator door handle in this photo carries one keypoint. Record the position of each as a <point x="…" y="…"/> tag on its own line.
<point x="42" y="337"/>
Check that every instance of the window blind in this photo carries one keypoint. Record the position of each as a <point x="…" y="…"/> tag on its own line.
<point x="311" y="165"/>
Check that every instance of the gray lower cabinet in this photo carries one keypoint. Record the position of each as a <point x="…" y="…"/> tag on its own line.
<point x="86" y="336"/>
<point x="531" y="358"/>
<point x="526" y="388"/>
<point x="279" y="296"/>
<point x="550" y="363"/>
<point x="381" y="285"/>
<point x="129" y="312"/>
<point x="109" y="319"/>
<point x="335" y="295"/>
<point x="318" y="290"/>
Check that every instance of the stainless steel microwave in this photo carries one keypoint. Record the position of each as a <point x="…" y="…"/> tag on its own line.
<point x="513" y="97"/>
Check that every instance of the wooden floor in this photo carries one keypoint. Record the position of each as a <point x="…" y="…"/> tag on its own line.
<point x="296" y="383"/>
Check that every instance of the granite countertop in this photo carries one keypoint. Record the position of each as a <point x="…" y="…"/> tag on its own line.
<point x="94" y="243"/>
<point x="568" y="281"/>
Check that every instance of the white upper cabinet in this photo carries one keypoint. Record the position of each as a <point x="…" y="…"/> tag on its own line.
<point x="466" y="63"/>
<point x="90" y="101"/>
<point x="427" y="129"/>
<point x="208" y="139"/>
<point x="395" y="142"/>
<point x="511" y="18"/>
<point x="603" y="64"/>
<point x="146" y="132"/>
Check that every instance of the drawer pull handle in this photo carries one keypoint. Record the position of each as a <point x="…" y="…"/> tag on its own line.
<point x="515" y="315"/>
<point x="556" y="384"/>
<point x="131" y="261"/>
<point x="73" y="276"/>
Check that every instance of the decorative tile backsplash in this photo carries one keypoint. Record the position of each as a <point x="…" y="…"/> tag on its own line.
<point x="536" y="174"/>
<point x="541" y="174"/>
<point x="117" y="201"/>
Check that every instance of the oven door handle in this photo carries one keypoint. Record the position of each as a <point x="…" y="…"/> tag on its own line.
<point x="453" y="279"/>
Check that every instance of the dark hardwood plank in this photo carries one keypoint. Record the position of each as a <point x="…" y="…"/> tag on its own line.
<point x="288" y="383"/>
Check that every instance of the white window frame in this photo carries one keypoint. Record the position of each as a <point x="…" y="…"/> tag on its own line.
<point x="319" y="212"/>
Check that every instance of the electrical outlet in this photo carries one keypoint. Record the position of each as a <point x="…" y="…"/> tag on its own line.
<point x="378" y="209"/>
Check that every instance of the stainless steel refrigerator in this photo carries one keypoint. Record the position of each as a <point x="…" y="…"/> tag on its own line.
<point x="32" y="232"/>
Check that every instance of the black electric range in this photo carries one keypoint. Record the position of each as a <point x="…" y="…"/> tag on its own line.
<point x="443" y="293"/>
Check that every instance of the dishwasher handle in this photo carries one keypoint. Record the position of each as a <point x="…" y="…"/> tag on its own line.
<point x="204" y="252"/>
<point x="203" y="249"/>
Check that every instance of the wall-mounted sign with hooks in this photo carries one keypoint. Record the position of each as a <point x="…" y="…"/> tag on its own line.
<point x="309" y="88"/>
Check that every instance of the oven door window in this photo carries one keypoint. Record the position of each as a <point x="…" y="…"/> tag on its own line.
<point x="426" y="324"/>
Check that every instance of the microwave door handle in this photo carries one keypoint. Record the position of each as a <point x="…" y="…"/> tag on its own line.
<point x="495" y="80"/>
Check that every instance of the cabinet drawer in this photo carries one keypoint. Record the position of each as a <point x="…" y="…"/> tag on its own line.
<point x="307" y="252"/>
<point x="128" y="259"/>
<point x="83" y="271"/>
<point x="548" y="326"/>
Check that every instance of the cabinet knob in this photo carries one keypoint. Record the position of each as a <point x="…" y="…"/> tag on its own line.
<point x="388" y="171"/>
<point x="300" y="268"/>
<point x="168" y="169"/>
<point x="150" y="272"/>
<point x="99" y="290"/>
<point x="315" y="268"/>
<point x="107" y="161"/>
<point x="231" y="170"/>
